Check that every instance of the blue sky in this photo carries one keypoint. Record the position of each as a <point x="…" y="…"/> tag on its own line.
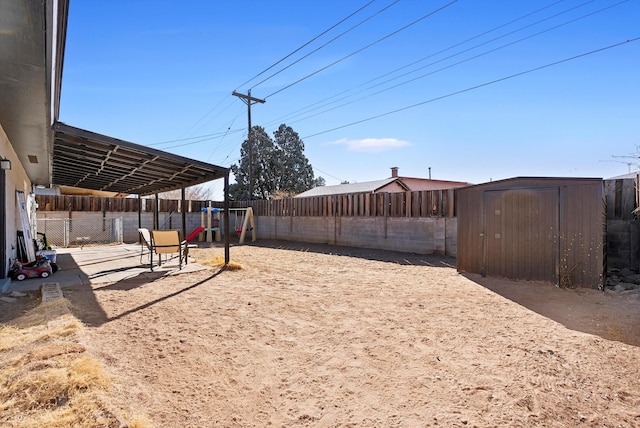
<point x="403" y="83"/>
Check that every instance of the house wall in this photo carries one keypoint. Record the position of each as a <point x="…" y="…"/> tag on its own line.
<point x="16" y="179"/>
<point x="391" y="188"/>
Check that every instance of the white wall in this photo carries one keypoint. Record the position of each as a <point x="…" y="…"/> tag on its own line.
<point x="17" y="179"/>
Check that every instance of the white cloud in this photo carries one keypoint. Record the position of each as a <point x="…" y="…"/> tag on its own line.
<point x="372" y="145"/>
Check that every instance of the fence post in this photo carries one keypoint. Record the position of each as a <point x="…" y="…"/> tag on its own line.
<point x="65" y="233"/>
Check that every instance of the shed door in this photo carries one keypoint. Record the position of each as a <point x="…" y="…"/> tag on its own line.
<point x="521" y="230"/>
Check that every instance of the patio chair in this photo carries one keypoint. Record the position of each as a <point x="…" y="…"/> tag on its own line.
<point x="163" y="242"/>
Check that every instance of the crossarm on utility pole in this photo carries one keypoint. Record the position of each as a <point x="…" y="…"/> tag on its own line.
<point x="248" y="100"/>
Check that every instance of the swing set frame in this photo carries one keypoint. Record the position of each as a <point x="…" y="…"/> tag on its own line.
<point x="248" y="223"/>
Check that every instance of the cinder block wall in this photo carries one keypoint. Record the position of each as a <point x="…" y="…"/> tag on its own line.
<point x="414" y="235"/>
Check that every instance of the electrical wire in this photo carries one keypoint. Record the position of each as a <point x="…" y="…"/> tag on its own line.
<point x="327" y="43"/>
<point x="308" y="109"/>
<point x="362" y="49"/>
<point x="456" y="63"/>
<point x="306" y="44"/>
<point x="326" y="173"/>
<point x="221" y="136"/>
<point x="323" y="102"/>
<point x="476" y="87"/>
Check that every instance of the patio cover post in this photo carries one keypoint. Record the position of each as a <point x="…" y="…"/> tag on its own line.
<point x="156" y="213"/>
<point x="184" y="214"/>
<point x="139" y="217"/>
<point x="226" y="217"/>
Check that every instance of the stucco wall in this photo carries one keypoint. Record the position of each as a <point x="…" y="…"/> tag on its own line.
<point x="16" y="179"/>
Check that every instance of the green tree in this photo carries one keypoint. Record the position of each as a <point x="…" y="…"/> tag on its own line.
<point x="265" y="168"/>
<point x="280" y="167"/>
<point x="297" y="174"/>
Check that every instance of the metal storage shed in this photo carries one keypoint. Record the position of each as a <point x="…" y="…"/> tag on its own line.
<point x="534" y="229"/>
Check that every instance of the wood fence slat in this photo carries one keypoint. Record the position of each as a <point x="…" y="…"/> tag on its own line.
<point x="435" y="203"/>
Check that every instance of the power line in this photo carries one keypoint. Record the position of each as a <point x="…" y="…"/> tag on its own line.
<point x="204" y="116"/>
<point x="229" y="131"/>
<point x="323" y="103"/>
<point x="454" y="64"/>
<point x="305" y="45"/>
<point x="326" y="173"/>
<point x="327" y="43"/>
<point x="206" y="136"/>
<point x="475" y="87"/>
<point x="363" y="48"/>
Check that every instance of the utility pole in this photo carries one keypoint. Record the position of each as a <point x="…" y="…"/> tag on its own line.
<point x="248" y="100"/>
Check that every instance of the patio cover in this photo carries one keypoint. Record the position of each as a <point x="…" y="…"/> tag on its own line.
<point x="93" y="161"/>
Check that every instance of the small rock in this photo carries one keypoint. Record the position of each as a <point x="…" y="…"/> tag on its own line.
<point x="7" y="299"/>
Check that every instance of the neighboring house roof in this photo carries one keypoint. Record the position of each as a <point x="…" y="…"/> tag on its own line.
<point x="392" y="184"/>
<point x="416" y="184"/>
<point x="364" y="187"/>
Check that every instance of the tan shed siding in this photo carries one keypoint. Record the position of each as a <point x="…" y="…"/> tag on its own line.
<point x="535" y="229"/>
<point x="470" y="207"/>
<point x="582" y="250"/>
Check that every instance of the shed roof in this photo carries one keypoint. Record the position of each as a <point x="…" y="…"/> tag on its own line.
<point x="532" y="182"/>
<point x="93" y="161"/>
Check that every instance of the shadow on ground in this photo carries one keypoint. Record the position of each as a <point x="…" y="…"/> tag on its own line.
<point x="610" y="315"/>
<point x="397" y="257"/>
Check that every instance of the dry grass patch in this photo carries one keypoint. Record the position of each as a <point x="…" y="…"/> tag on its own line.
<point x="47" y="378"/>
<point x="218" y="262"/>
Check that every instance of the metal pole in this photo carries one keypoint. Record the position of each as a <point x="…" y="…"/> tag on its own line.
<point x="250" y="146"/>
<point x="226" y="218"/>
<point x="184" y="213"/>
<point x="139" y="217"/>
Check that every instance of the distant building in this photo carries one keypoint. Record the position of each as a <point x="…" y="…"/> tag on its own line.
<point x="392" y="184"/>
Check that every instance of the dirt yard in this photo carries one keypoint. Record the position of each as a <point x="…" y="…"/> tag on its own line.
<point x="319" y="336"/>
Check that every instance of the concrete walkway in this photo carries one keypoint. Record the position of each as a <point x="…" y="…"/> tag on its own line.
<point x="101" y="264"/>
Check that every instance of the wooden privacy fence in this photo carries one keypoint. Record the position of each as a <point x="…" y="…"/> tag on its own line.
<point x="101" y="204"/>
<point x="433" y="203"/>
<point x="428" y="203"/>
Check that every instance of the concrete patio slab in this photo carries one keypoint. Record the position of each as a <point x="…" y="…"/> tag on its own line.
<point x="101" y="264"/>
